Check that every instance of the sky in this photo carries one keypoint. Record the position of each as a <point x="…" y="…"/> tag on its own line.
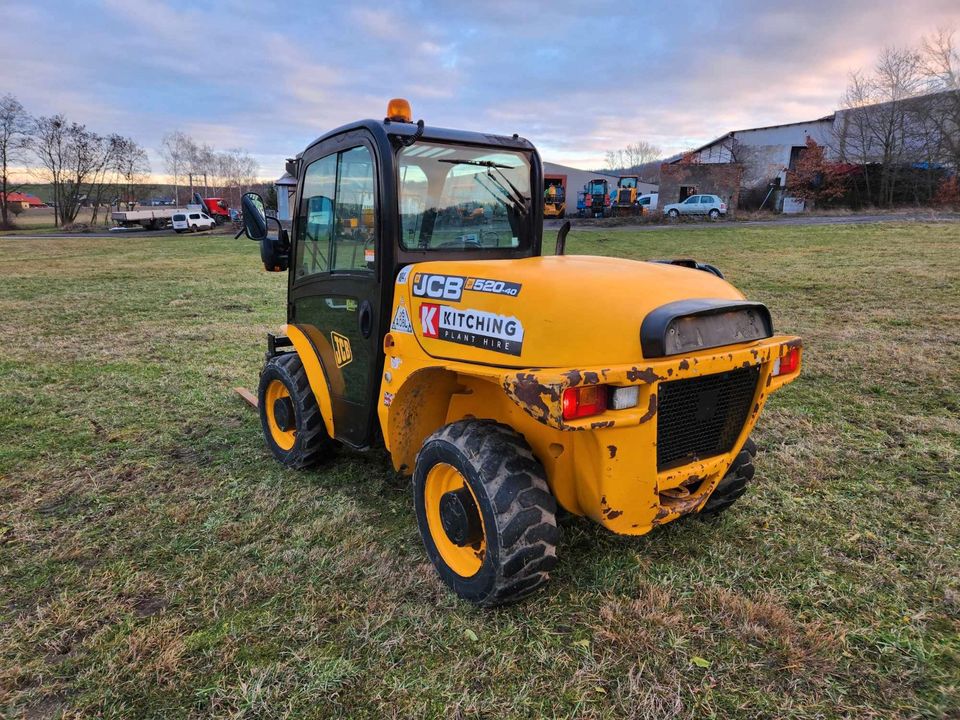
<point x="575" y="78"/>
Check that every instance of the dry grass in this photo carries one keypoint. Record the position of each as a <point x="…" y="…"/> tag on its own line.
<point x="155" y="562"/>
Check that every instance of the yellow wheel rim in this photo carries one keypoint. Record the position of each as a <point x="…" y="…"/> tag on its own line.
<point x="283" y="438"/>
<point x="464" y="561"/>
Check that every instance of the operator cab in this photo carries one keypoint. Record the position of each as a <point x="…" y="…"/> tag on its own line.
<point x="372" y="197"/>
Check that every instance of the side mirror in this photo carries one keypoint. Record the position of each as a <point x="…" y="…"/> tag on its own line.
<point x="254" y="216"/>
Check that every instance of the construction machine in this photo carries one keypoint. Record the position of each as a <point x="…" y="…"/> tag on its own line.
<point x="626" y="195"/>
<point x="597" y="198"/>
<point x="506" y="383"/>
<point x="554" y="196"/>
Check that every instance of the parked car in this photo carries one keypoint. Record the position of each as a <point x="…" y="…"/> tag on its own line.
<point x="648" y="202"/>
<point x="709" y="205"/>
<point x="192" y="221"/>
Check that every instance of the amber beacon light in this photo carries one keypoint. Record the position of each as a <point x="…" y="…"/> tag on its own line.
<point x="398" y="110"/>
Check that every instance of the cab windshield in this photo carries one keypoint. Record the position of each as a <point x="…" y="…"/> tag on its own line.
<point x="458" y="197"/>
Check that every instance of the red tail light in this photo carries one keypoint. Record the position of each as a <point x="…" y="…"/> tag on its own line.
<point x="584" y="401"/>
<point x="786" y="364"/>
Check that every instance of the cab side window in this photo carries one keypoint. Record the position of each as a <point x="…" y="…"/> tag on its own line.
<point x="354" y="240"/>
<point x="336" y="228"/>
<point x="315" y="220"/>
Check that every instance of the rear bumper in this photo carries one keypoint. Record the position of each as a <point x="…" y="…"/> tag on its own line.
<point x="609" y="468"/>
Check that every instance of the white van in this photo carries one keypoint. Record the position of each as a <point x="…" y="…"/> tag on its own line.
<point x="649" y="201"/>
<point x="192" y="221"/>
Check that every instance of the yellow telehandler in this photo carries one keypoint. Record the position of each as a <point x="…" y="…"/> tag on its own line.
<point x="422" y="315"/>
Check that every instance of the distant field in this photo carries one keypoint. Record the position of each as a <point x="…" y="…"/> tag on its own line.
<point x="41" y="219"/>
<point x="156" y="562"/>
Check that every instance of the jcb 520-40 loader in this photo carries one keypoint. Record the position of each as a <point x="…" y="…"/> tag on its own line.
<point x="421" y="314"/>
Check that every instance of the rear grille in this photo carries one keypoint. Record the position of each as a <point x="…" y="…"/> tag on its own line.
<point x="701" y="417"/>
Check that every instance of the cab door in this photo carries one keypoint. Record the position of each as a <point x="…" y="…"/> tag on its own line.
<point x="334" y="287"/>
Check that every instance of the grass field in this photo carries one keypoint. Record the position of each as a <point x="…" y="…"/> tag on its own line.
<point x="155" y="562"/>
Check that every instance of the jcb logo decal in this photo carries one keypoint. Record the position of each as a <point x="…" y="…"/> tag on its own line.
<point x="342" y="353"/>
<point x="447" y="287"/>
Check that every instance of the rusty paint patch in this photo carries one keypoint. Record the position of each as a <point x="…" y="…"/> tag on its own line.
<point x="651" y="409"/>
<point x="608" y="512"/>
<point x="684" y="364"/>
<point x="612" y="449"/>
<point x="601" y="424"/>
<point x="529" y="394"/>
<point x="573" y="377"/>
<point x="591" y="378"/>
<point x="647" y="375"/>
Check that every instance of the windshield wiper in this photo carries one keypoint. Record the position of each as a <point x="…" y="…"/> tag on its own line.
<point x="517" y="195"/>
<point x="518" y="207"/>
<point x="478" y="163"/>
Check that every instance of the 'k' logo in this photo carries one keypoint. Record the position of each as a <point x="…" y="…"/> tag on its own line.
<point x="341" y="349"/>
<point x="428" y="319"/>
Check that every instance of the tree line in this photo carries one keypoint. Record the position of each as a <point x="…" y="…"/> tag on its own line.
<point x="229" y="172"/>
<point x="898" y="126"/>
<point x="84" y="167"/>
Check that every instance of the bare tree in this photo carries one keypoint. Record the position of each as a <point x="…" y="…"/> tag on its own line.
<point x="940" y="60"/>
<point x="879" y="121"/>
<point x="14" y="141"/>
<point x="202" y="164"/>
<point x="71" y="156"/>
<point x="640" y="158"/>
<point x="132" y="165"/>
<point x="642" y="152"/>
<point x="104" y="175"/>
<point x="176" y="149"/>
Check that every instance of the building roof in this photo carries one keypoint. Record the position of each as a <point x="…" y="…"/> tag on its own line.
<point x="32" y="200"/>
<point x="677" y="158"/>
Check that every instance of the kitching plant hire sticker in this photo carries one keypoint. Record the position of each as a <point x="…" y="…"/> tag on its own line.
<point x="477" y="328"/>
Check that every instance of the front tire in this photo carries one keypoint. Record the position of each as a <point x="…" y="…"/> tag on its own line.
<point x="674" y="213"/>
<point x="734" y="483"/>
<point x="485" y="512"/>
<point x="289" y="415"/>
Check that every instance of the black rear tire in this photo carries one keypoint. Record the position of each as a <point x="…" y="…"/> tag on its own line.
<point x="309" y="443"/>
<point x="714" y="214"/>
<point x="734" y="483"/>
<point x="513" y="500"/>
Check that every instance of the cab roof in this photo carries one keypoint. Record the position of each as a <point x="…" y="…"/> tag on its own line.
<point x="403" y="129"/>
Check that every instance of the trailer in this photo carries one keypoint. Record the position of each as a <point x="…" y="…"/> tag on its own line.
<point x="154" y="218"/>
